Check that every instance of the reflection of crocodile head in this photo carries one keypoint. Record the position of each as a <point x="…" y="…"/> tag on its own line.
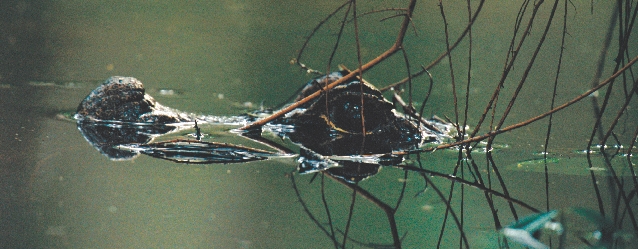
<point x="105" y="136"/>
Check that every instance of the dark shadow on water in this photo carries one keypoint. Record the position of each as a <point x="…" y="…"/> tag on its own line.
<point x="19" y="124"/>
<point x="23" y="57"/>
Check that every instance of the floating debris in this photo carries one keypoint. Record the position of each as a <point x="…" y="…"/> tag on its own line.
<point x="167" y="92"/>
<point x="62" y="84"/>
<point x="532" y="162"/>
<point x="112" y="209"/>
<point x="571" y="164"/>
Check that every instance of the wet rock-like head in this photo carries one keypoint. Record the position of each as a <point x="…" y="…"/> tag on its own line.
<point x="124" y="99"/>
<point x="336" y="128"/>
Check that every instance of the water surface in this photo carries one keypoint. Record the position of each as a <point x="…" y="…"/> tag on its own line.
<point x="228" y="57"/>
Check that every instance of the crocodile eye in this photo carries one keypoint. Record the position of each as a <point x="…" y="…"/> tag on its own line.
<point x="345" y="112"/>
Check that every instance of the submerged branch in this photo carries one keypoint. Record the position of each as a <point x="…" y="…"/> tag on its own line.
<point x="389" y="211"/>
<point x="481" y="187"/>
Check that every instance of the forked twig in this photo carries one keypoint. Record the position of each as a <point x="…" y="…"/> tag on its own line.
<point x="441" y="56"/>
<point x="452" y="78"/>
<point x="303" y="47"/>
<point x="379" y="203"/>
<point x="530" y="64"/>
<point x="491" y="105"/>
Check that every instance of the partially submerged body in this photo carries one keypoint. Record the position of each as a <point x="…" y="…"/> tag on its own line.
<point x="120" y="120"/>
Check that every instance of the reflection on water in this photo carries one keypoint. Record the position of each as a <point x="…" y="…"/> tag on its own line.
<point x="57" y="191"/>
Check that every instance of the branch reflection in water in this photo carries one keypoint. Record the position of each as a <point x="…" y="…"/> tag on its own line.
<point x="325" y="148"/>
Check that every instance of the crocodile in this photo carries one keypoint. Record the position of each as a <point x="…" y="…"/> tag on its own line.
<point x="120" y="114"/>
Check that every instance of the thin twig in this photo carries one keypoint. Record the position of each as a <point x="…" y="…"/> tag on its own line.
<point x="452" y="79"/>
<point x="303" y="47"/>
<point x="449" y="207"/>
<point x="629" y="162"/>
<point x="599" y="70"/>
<point x="529" y="65"/>
<point x="389" y="211"/>
<point x="358" y="43"/>
<point x="427" y="95"/>
<point x="312" y="217"/>
<point x="508" y="66"/>
<point x="350" y="212"/>
<point x="619" y="114"/>
<point x="469" y="183"/>
<point x="441" y="56"/>
<point x="551" y="106"/>
<point x="541" y="116"/>
<point x="339" y="35"/>
<point x="325" y="204"/>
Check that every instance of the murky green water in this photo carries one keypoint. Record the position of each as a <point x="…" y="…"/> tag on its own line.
<point x="226" y="57"/>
